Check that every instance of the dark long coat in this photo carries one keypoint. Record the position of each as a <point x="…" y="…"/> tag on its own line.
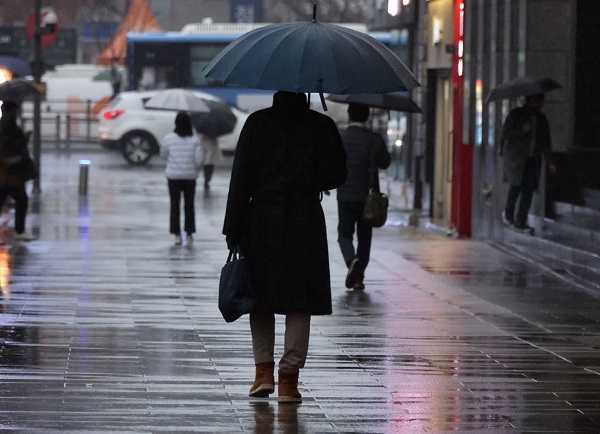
<point x="518" y="147"/>
<point x="286" y="155"/>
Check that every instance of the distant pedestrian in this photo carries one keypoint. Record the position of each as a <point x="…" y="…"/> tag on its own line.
<point x="183" y="153"/>
<point x="363" y="147"/>
<point x="212" y="155"/>
<point x="525" y="139"/>
<point x="286" y="155"/>
<point x="17" y="166"/>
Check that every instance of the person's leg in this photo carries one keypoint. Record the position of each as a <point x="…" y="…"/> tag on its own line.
<point x="511" y="201"/>
<point x="208" y="173"/>
<point x="346" y="224"/>
<point x="364" y="235"/>
<point x="527" y="189"/>
<point x="297" y="333"/>
<point x="175" y="196"/>
<point x="19" y="194"/>
<point x="262" y="328"/>
<point x="189" y="192"/>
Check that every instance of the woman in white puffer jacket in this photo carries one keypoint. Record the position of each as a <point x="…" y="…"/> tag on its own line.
<point x="183" y="153"/>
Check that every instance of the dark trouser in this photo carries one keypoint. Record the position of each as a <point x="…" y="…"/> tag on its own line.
<point x="188" y="188"/>
<point x="350" y="216"/>
<point x="525" y="189"/>
<point x="18" y="193"/>
<point x="208" y="173"/>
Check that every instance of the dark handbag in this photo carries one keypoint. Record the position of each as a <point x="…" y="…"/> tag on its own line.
<point x="376" y="203"/>
<point x="236" y="292"/>
<point x="376" y="208"/>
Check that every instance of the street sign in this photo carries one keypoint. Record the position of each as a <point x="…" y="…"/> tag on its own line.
<point x="47" y="37"/>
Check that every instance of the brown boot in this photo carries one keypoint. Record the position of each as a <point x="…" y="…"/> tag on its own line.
<point x="288" y="386"/>
<point x="264" y="381"/>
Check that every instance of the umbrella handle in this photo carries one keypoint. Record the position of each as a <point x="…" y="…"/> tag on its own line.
<point x="320" y="89"/>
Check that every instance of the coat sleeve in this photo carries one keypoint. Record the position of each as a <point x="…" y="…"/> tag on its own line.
<point x="512" y="130"/>
<point x="241" y="183"/>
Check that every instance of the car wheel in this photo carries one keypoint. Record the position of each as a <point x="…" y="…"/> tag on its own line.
<point x="138" y="147"/>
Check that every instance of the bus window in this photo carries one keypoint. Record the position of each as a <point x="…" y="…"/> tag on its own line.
<point x="200" y="56"/>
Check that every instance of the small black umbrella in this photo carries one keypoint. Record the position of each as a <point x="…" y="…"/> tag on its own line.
<point x="15" y="65"/>
<point x="218" y="121"/>
<point x="388" y="101"/>
<point x="522" y="86"/>
<point x="18" y="89"/>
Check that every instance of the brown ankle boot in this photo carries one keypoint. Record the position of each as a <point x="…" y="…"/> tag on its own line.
<point x="264" y="380"/>
<point x="288" y="386"/>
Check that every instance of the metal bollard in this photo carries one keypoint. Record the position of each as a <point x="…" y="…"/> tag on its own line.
<point x="84" y="166"/>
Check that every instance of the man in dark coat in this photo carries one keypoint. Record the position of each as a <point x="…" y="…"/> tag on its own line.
<point x="286" y="156"/>
<point x="17" y="164"/>
<point x="363" y="149"/>
<point x="525" y="139"/>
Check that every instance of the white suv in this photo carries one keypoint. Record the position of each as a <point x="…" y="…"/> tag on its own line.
<point x="126" y="125"/>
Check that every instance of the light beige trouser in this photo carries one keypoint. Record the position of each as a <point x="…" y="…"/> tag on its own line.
<point x="295" y="348"/>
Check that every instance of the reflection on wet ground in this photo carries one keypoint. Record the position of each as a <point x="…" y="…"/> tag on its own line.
<point x="108" y="327"/>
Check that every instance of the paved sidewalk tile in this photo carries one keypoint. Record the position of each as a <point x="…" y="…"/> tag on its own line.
<point x="106" y="326"/>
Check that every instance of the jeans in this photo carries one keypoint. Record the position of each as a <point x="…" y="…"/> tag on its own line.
<point x="18" y="193"/>
<point x="187" y="187"/>
<point x="525" y="190"/>
<point x="350" y="217"/>
<point x="295" y="347"/>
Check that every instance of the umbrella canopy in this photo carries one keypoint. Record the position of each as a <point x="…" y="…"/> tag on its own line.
<point x="310" y="57"/>
<point x="522" y="86"/>
<point x="108" y="75"/>
<point x="220" y="120"/>
<point x="16" y="66"/>
<point x="177" y="99"/>
<point x="387" y="101"/>
<point x="18" y="89"/>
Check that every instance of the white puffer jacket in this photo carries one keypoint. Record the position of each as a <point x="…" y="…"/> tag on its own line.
<point x="183" y="155"/>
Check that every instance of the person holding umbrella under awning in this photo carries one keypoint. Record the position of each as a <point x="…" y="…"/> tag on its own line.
<point x="525" y="139"/>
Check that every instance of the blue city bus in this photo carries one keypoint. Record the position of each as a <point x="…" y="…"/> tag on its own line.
<point x="176" y="59"/>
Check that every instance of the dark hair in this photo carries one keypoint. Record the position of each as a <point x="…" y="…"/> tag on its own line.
<point x="358" y="112"/>
<point x="183" y="125"/>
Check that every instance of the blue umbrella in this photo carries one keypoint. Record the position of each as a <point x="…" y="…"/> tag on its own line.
<point x="16" y="66"/>
<point x="310" y="57"/>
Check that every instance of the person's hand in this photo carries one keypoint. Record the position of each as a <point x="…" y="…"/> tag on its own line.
<point x="552" y="168"/>
<point x="28" y="134"/>
<point x="527" y="127"/>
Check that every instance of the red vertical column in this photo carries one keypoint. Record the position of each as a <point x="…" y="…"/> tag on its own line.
<point x="462" y="165"/>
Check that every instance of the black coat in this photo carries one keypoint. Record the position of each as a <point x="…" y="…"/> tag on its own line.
<point x="517" y="147"/>
<point x="286" y="155"/>
<point x="13" y="143"/>
<point x="359" y="142"/>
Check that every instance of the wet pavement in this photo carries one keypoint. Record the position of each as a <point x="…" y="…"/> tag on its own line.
<point x="106" y="326"/>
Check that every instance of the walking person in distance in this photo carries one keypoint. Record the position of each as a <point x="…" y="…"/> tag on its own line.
<point x="364" y="148"/>
<point x="183" y="153"/>
<point x="16" y="166"/>
<point x="525" y="140"/>
<point x="286" y="156"/>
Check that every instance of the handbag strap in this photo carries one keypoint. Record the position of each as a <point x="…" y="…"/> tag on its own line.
<point x="233" y="254"/>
